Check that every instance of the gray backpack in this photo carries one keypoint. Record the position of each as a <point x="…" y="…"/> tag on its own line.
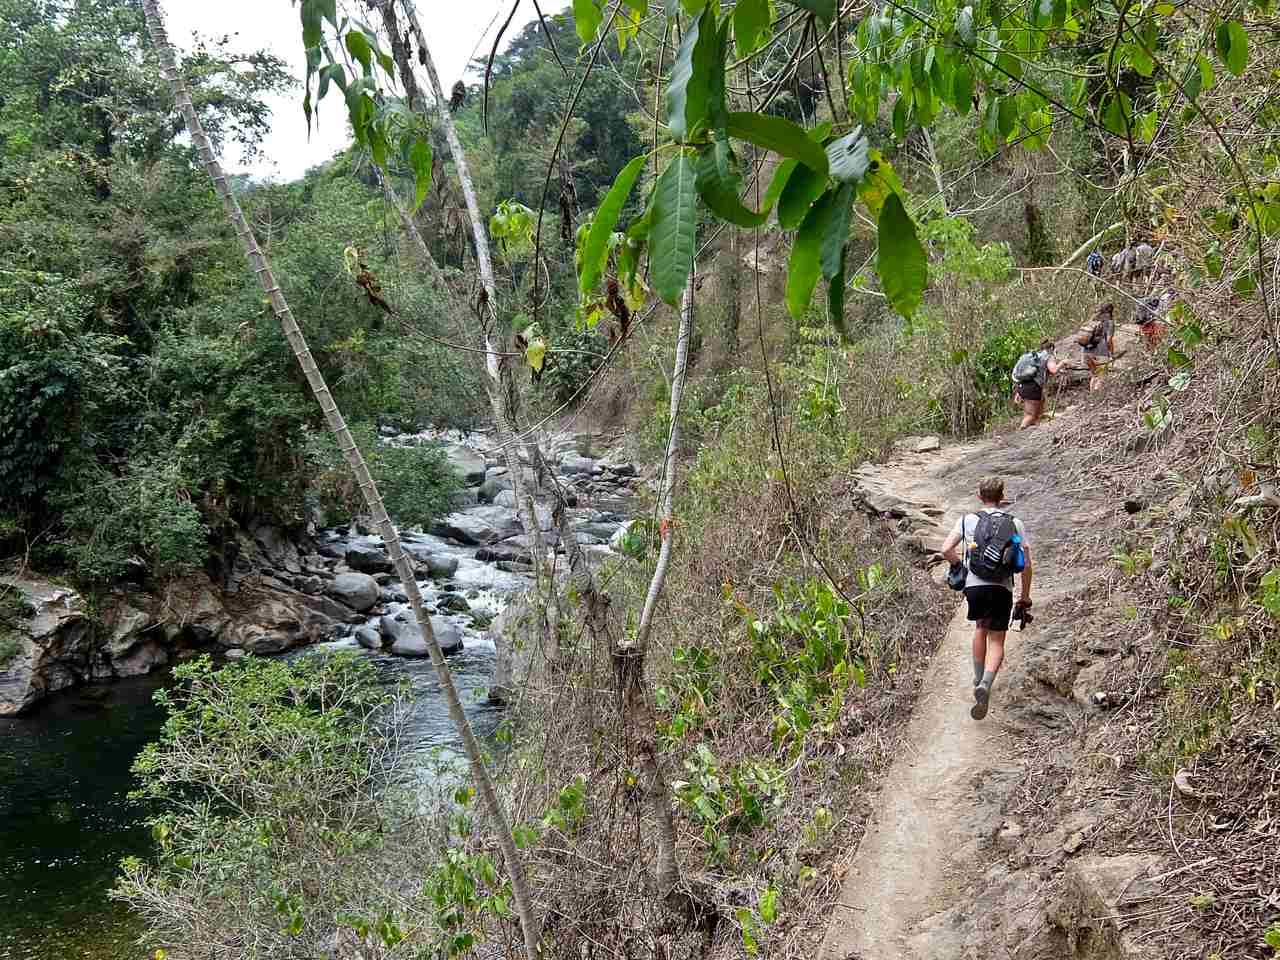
<point x="1027" y="369"/>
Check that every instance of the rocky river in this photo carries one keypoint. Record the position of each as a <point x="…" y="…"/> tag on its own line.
<point x="64" y="760"/>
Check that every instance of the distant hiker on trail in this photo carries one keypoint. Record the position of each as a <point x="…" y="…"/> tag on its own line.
<point x="994" y="549"/>
<point x="1029" y="376"/>
<point x="1094" y="264"/>
<point x="1144" y="258"/>
<point x="1150" y="317"/>
<point x="1121" y="262"/>
<point x="1099" y="342"/>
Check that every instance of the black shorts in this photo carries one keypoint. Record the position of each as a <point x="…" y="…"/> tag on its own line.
<point x="990" y="607"/>
<point x="1030" y="391"/>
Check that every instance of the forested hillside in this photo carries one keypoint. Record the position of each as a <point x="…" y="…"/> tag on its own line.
<point x="784" y="255"/>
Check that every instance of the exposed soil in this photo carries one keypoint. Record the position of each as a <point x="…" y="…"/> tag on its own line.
<point x="974" y="850"/>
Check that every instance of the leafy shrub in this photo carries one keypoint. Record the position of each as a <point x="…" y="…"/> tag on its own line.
<point x="416" y="483"/>
<point x="278" y="818"/>
<point x="144" y="519"/>
<point x="572" y="356"/>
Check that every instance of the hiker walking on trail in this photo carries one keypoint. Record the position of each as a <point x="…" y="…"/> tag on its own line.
<point x="992" y="545"/>
<point x="1029" y="376"/>
<point x="1094" y="264"/>
<point x="1099" y="342"/>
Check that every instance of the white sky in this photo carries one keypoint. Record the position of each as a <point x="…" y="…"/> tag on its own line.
<point x="454" y="28"/>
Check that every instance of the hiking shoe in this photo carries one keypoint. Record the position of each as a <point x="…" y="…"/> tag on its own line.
<point x="981" y="694"/>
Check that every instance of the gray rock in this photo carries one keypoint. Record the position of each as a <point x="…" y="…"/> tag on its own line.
<point x="469" y="464"/>
<point x="406" y="639"/>
<point x="52" y="639"/>
<point x="505" y="498"/>
<point x="479" y="525"/>
<point x="369" y="638"/>
<point x="368" y="559"/>
<point x="574" y="466"/>
<point x="310" y="585"/>
<point x="466" y="497"/>
<point x="336" y="550"/>
<point x="453" y="602"/>
<point x="601" y="531"/>
<point x="357" y="590"/>
<point x="277" y="548"/>
<point x="234" y="653"/>
<point x="619" y="469"/>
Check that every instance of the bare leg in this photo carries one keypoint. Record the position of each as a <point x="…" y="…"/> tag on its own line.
<point x="993" y="644"/>
<point x="980" y="644"/>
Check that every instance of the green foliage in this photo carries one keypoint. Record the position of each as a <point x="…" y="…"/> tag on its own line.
<point x="901" y="260"/>
<point x="727" y="801"/>
<point x="1269" y="592"/>
<point x="673" y="230"/>
<point x="416" y="482"/>
<point x="512" y="227"/>
<point x="277" y="809"/>
<point x="595" y="251"/>
<point x="142" y="519"/>
<point x="573" y="355"/>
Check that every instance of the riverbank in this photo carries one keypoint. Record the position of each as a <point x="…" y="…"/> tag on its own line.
<point x="67" y="824"/>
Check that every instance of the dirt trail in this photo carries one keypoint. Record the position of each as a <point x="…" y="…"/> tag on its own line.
<point x="921" y="882"/>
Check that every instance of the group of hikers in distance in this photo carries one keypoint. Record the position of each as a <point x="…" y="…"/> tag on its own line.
<point x="989" y="548"/>
<point x="1133" y="264"/>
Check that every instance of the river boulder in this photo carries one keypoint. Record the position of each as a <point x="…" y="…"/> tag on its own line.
<point x="369" y="638"/>
<point x="359" y="591"/>
<point x="479" y="525"/>
<point x="406" y="639"/>
<point x="467" y="462"/>
<point x="367" y="558"/>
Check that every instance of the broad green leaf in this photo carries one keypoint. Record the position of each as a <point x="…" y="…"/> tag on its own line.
<point x="769" y="904"/>
<point x="880" y="181"/>
<point x="835" y="298"/>
<point x="803" y="187"/>
<point x="1140" y="60"/>
<point x="587" y="19"/>
<point x="962" y="89"/>
<point x="1039" y="127"/>
<point x="1147" y="125"/>
<point x="901" y="112"/>
<point x="750" y="25"/>
<point x="900" y="260"/>
<point x="1007" y="120"/>
<point x="847" y="157"/>
<point x="671" y="238"/>
<point x="826" y="9"/>
<point x="805" y="265"/>
<point x="420" y="163"/>
<point x="1237" y="57"/>
<point x="358" y="44"/>
<point x="1165" y="9"/>
<point x="1117" y="114"/>
<point x="780" y="178"/>
<point x="837" y="231"/>
<point x="964" y="26"/>
<point x="595" y="250"/>
<point x="720" y="191"/>
<point x="1207" y="77"/>
<point x="779" y="135"/>
<point x="690" y="87"/>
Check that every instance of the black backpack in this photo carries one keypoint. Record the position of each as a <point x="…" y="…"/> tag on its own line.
<point x="996" y="552"/>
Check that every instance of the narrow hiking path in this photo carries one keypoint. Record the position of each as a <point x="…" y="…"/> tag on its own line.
<point x="926" y="879"/>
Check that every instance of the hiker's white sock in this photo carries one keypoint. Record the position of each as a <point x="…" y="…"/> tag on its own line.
<point x="988" y="679"/>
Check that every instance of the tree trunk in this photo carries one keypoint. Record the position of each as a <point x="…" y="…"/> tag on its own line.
<point x="629" y="658"/>
<point x="500" y="384"/>
<point x="258" y="262"/>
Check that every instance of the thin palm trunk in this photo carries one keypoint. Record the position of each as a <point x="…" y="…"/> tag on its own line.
<point x="262" y="269"/>
<point x="631" y="656"/>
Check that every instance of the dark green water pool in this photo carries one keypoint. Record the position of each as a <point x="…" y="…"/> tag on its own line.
<point x="65" y="821"/>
